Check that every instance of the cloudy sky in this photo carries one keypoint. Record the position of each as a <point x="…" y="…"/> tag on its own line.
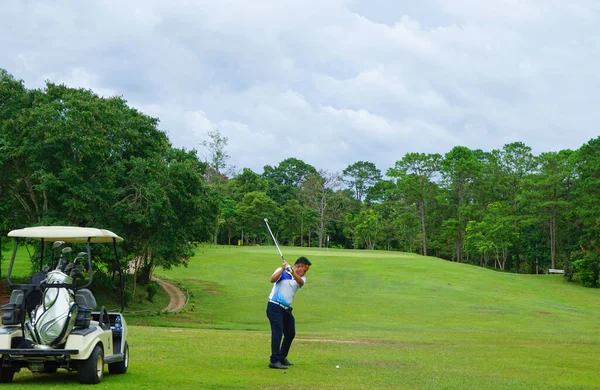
<point x="330" y="82"/>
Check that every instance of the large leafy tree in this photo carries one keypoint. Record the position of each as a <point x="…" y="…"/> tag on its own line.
<point x="547" y="194"/>
<point x="360" y="176"/>
<point x="291" y="220"/>
<point x="368" y="225"/>
<point x="495" y="235"/>
<point x="161" y="209"/>
<point x="252" y="210"/>
<point x="415" y="174"/>
<point x="246" y="181"/>
<point x="63" y="152"/>
<point x="71" y="157"/>
<point x="233" y="192"/>
<point x="286" y="178"/>
<point x="460" y="167"/>
<point x="587" y="193"/>
<point x="13" y="99"/>
<point x="515" y="163"/>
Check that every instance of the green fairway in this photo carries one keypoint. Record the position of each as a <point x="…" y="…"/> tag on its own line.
<point x="388" y="319"/>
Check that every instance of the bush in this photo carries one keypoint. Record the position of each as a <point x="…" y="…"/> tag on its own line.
<point x="152" y="289"/>
<point x="588" y="269"/>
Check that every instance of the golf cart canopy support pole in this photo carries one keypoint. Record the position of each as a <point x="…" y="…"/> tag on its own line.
<point x="120" y="275"/>
<point x="12" y="261"/>
<point x="42" y="255"/>
<point x="90" y="272"/>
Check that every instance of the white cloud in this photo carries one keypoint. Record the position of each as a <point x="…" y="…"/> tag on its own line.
<point x="331" y="82"/>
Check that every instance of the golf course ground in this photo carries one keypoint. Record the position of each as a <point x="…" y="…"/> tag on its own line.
<point x="387" y="319"/>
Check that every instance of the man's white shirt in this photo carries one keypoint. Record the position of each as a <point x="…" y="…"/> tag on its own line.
<point x="285" y="288"/>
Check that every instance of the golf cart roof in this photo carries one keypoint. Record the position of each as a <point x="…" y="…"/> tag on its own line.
<point x="70" y="234"/>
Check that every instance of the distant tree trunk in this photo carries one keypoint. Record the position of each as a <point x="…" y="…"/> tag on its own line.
<point x="302" y="230"/>
<point x="459" y="238"/>
<point x="553" y="237"/>
<point x="229" y="234"/>
<point x="145" y="274"/>
<point x="216" y="234"/>
<point x="423" y="227"/>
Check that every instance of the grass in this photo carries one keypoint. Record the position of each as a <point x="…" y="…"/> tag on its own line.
<point x="389" y="320"/>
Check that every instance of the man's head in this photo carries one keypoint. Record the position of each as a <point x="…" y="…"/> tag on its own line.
<point x="301" y="266"/>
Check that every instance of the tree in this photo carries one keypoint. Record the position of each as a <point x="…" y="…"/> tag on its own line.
<point x="460" y="167"/>
<point x="291" y="220"/>
<point x="218" y="157"/>
<point x="229" y="213"/>
<point x="495" y="233"/>
<point x="285" y="179"/>
<point x="367" y="225"/>
<point x="247" y="181"/>
<point x="586" y="196"/>
<point x="71" y="157"/>
<point x="516" y="163"/>
<point x="13" y="99"/>
<point x="161" y="207"/>
<point x="317" y="191"/>
<point x="65" y="172"/>
<point x="216" y="175"/>
<point x="415" y="172"/>
<point x="309" y="224"/>
<point x="548" y="193"/>
<point x="360" y="176"/>
<point x="252" y="210"/>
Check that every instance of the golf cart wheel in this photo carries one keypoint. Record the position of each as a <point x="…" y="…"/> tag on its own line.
<point x="91" y="370"/>
<point x="6" y="374"/>
<point x="120" y="367"/>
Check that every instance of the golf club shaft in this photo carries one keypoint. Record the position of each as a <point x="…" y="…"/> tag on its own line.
<point x="272" y="236"/>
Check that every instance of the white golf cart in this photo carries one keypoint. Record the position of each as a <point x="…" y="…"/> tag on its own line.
<point x="51" y="322"/>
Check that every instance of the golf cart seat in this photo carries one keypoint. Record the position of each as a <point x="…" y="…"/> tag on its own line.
<point x="86" y="302"/>
<point x="12" y="310"/>
<point x="16" y="297"/>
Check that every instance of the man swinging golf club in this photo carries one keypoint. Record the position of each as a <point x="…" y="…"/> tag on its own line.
<point x="286" y="281"/>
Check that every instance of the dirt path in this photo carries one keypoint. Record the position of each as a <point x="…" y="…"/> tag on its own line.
<point x="178" y="299"/>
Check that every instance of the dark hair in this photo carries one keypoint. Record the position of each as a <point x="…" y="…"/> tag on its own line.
<point x="302" y="260"/>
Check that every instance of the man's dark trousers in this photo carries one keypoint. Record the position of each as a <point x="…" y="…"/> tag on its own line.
<point x="282" y="324"/>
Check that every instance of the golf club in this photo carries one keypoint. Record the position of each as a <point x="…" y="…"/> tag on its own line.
<point x="63" y="262"/>
<point x="274" y="240"/>
<point x="57" y="244"/>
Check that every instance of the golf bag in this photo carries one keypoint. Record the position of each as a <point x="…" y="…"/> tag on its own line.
<point x="53" y="319"/>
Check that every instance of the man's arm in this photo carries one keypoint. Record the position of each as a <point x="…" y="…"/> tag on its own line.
<point x="275" y="277"/>
<point x="297" y="278"/>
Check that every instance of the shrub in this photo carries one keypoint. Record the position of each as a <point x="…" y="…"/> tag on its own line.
<point x="152" y="289"/>
<point x="588" y="269"/>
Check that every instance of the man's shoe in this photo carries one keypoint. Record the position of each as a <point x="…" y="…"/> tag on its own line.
<point x="286" y="362"/>
<point x="277" y="365"/>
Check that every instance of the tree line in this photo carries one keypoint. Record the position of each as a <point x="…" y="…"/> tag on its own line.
<point x="68" y="156"/>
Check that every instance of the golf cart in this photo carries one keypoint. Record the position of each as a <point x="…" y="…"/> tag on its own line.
<point x="51" y="322"/>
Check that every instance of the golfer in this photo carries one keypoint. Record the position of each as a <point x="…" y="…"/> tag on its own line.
<point x="287" y="280"/>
